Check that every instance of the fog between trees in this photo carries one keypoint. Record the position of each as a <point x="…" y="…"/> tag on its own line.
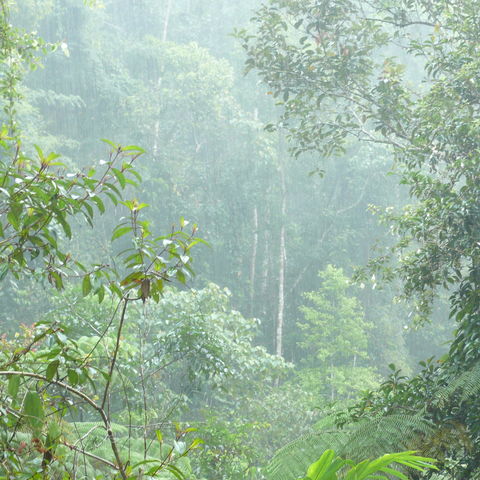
<point x="203" y="348"/>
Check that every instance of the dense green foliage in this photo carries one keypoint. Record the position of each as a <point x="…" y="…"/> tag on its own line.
<point x="335" y="340"/>
<point x="328" y="467"/>
<point x="107" y="370"/>
<point x="333" y="65"/>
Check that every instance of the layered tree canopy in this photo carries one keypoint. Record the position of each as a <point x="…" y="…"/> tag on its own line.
<point x="212" y="276"/>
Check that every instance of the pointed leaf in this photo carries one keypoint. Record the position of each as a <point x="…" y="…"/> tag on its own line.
<point x="86" y="285"/>
<point x="33" y="411"/>
<point x="52" y="369"/>
<point x="13" y="386"/>
<point x="120" y="231"/>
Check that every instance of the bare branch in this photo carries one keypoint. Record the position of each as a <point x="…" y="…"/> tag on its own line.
<point x="89" y="401"/>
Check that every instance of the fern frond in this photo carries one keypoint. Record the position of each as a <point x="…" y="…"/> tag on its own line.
<point x="376" y="436"/>
<point x="367" y="438"/>
<point x="466" y="385"/>
<point x="448" y="476"/>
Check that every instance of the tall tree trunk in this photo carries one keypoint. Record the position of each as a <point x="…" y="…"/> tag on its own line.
<point x="281" y="274"/>
<point x="253" y="263"/>
<point x="265" y="273"/>
<point x="156" y="137"/>
<point x="332" y="389"/>
<point x="166" y="20"/>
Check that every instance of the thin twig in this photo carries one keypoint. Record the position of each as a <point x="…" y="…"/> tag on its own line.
<point x="88" y="454"/>
<point x="115" y="352"/>
<point x="99" y="409"/>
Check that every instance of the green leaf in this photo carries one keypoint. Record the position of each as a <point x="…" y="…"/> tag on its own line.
<point x="196" y="443"/>
<point x="139" y="206"/>
<point x="13" y="386"/>
<point x="176" y="471"/>
<point x="120" y="231"/>
<point x="99" y="203"/>
<point x="112" y="197"/>
<point x="86" y="285"/>
<point x="72" y="377"/>
<point x="3" y="271"/>
<point x="113" y="188"/>
<point x="57" y="278"/>
<point x="135" y="174"/>
<point x="114" y="288"/>
<point x="134" y="148"/>
<point x="33" y="411"/>
<point x="39" y="151"/>
<point x="100" y="293"/>
<point x="65" y="225"/>
<point x="52" y="369"/>
<point x="134" y="277"/>
<point x="89" y="210"/>
<point x="120" y="177"/>
<point x="48" y="160"/>
<point x="181" y="277"/>
<point x="108" y="142"/>
<point x="13" y="216"/>
<point x="317" y="469"/>
<point x="146" y="462"/>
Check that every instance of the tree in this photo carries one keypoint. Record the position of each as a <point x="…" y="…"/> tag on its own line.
<point x="187" y="360"/>
<point x="335" y="68"/>
<point x="213" y="162"/>
<point x="334" y="338"/>
<point x="44" y="373"/>
<point x="332" y="65"/>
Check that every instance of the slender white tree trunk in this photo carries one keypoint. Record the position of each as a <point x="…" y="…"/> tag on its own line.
<point x="332" y="389"/>
<point x="253" y="263"/>
<point x="156" y="138"/>
<point x="166" y="20"/>
<point x="281" y="274"/>
<point x="265" y="273"/>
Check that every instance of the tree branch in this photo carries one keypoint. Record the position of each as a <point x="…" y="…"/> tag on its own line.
<point x="115" y="352"/>
<point x="99" y="409"/>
